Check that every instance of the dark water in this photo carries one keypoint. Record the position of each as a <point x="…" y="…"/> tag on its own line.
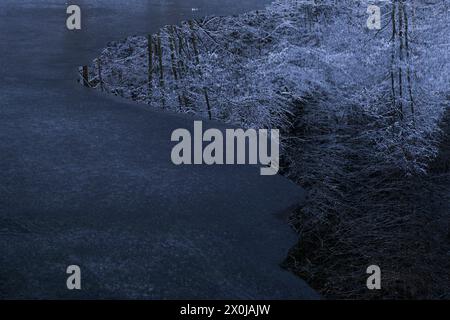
<point x="87" y="179"/>
<point x="37" y="27"/>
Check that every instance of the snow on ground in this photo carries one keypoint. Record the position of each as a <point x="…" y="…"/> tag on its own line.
<point x="360" y="111"/>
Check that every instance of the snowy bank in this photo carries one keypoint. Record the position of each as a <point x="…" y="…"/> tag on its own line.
<point x="359" y="112"/>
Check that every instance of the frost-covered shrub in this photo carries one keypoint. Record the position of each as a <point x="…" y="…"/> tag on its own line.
<point x="354" y="134"/>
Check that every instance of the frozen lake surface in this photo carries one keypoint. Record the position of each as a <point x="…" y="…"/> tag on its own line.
<point x="86" y="179"/>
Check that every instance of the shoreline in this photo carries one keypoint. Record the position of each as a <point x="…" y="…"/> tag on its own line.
<point x="256" y="70"/>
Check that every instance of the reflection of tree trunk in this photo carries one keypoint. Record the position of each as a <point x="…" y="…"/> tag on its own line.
<point x="150" y="66"/>
<point x="172" y="47"/>
<point x="197" y="60"/>
<point x="309" y="9"/>
<point x="400" y="66"/>
<point x="99" y="71"/>
<point x="181" y="50"/>
<point x="408" y="61"/>
<point x="394" y="31"/>
<point x="172" y="53"/>
<point x="194" y="42"/>
<point x="85" y="75"/>
<point x="160" y="53"/>
<point x="161" y="70"/>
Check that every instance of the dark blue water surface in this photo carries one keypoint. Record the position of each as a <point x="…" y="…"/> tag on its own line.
<point x="87" y="179"/>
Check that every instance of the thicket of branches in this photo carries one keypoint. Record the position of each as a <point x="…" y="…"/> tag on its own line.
<point x="360" y="111"/>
